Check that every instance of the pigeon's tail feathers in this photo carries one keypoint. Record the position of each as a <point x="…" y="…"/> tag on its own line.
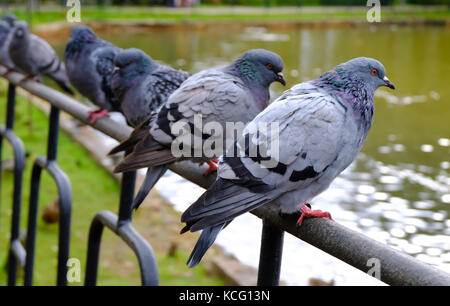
<point x="151" y="178"/>
<point x="56" y="70"/>
<point x="221" y="203"/>
<point x="65" y="86"/>
<point x="144" y="159"/>
<point x="215" y="209"/>
<point x="207" y="238"/>
<point x="138" y="134"/>
<point x="146" y="151"/>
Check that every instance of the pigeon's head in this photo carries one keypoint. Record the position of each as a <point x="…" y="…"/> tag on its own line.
<point x="10" y="19"/>
<point x="368" y="70"/>
<point x="262" y="66"/>
<point x="21" y="30"/>
<point x="132" y="62"/>
<point x="82" y="33"/>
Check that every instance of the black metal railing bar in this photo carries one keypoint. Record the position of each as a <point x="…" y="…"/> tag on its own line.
<point x="16" y="254"/>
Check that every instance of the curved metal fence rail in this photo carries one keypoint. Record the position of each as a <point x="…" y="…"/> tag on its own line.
<point x="50" y="165"/>
<point x="347" y="245"/>
<point x="16" y="253"/>
<point x="120" y="225"/>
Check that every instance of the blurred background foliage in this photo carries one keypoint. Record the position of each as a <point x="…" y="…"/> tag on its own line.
<point x="232" y="2"/>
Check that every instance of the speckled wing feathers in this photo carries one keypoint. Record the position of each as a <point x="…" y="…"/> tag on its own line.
<point x="213" y="94"/>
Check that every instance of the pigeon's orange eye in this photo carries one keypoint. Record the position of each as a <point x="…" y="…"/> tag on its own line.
<point x="269" y="66"/>
<point x="374" y="72"/>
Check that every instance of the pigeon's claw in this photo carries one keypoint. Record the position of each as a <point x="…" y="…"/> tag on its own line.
<point x="212" y="167"/>
<point x="97" y="114"/>
<point x="307" y="212"/>
<point x="8" y="71"/>
<point x="30" y="78"/>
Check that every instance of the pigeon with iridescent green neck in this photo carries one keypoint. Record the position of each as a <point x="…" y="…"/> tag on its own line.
<point x="322" y="125"/>
<point x="236" y="93"/>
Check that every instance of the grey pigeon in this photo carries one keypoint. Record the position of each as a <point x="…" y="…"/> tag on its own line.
<point x="6" y="24"/>
<point x="5" y="40"/>
<point x="142" y="85"/>
<point x="322" y="126"/>
<point x="90" y="64"/>
<point x="6" y="34"/>
<point x="236" y="93"/>
<point x="35" y="57"/>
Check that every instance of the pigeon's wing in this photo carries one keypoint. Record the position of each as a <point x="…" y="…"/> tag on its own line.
<point x="145" y="150"/>
<point x="212" y="94"/>
<point x="43" y="60"/>
<point x="103" y="58"/>
<point x="42" y="57"/>
<point x="148" y="95"/>
<point x="268" y="162"/>
<point x="293" y="141"/>
<point x="162" y="83"/>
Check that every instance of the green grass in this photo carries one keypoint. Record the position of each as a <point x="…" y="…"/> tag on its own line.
<point x="93" y="190"/>
<point x="225" y="14"/>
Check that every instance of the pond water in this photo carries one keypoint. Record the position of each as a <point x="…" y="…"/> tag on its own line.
<point x="397" y="191"/>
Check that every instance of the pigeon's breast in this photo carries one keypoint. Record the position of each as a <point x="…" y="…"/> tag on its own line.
<point x="135" y="105"/>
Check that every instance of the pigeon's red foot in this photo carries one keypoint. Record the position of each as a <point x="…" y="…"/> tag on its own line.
<point x="212" y="166"/>
<point x="307" y="212"/>
<point x="8" y="71"/>
<point x="97" y="114"/>
<point x="30" y="78"/>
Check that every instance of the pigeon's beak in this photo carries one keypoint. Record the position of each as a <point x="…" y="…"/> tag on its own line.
<point x="388" y="83"/>
<point x="280" y="78"/>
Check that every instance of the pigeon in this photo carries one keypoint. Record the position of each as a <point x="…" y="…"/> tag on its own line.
<point x="90" y="64"/>
<point x="35" y="57"/>
<point x="236" y="93"/>
<point x="6" y="24"/>
<point x="142" y="85"/>
<point x="5" y="39"/>
<point x="10" y="19"/>
<point x="319" y="128"/>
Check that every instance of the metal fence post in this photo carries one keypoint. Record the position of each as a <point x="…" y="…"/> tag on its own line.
<point x="15" y="255"/>
<point x="126" y="197"/>
<point x="270" y="255"/>
<point x="50" y="165"/>
<point x="122" y="227"/>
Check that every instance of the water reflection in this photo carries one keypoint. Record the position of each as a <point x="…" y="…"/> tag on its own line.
<point x="397" y="191"/>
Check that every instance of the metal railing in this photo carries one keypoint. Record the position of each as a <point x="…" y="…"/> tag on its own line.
<point x="62" y="181"/>
<point x="120" y="225"/>
<point x="347" y="245"/>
